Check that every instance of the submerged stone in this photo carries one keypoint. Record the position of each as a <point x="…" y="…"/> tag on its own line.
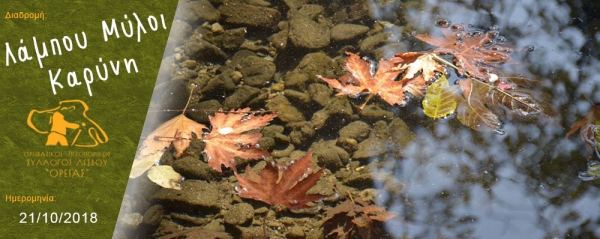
<point x="239" y="214"/>
<point x="240" y="97"/>
<point x="287" y="112"/>
<point x="257" y="71"/>
<point x="197" y="12"/>
<point x="358" y="130"/>
<point x="194" y="168"/>
<point x="248" y="15"/>
<point x="305" y="32"/>
<point x="198" y="49"/>
<point x="195" y="195"/>
<point x="330" y="155"/>
<point x="320" y="93"/>
<point x="343" y="32"/>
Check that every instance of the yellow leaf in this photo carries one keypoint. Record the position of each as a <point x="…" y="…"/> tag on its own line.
<point x="143" y="163"/>
<point x="439" y="101"/>
<point x="165" y="176"/>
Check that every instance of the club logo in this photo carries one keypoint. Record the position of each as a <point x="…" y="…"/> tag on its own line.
<point x="67" y="125"/>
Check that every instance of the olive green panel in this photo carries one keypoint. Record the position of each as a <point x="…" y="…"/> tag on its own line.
<point x="66" y="152"/>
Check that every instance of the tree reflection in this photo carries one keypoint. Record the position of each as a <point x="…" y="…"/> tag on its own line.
<point x="524" y="184"/>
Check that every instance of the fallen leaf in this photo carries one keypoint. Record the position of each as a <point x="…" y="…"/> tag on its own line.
<point x="589" y="128"/>
<point x="165" y="176"/>
<point x="475" y="52"/>
<point x="282" y="185"/>
<point x="471" y="110"/>
<point x="355" y="219"/>
<point x="143" y="163"/>
<point x="359" y="80"/>
<point x="235" y="134"/>
<point x="177" y="130"/>
<point x="419" y="65"/>
<point x="439" y="100"/>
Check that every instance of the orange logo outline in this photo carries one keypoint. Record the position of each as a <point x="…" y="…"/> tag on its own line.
<point x="75" y="112"/>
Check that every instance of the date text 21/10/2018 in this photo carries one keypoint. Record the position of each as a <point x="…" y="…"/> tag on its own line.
<point x="58" y="217"/>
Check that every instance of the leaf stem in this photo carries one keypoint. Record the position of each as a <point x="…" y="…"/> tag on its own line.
<point x="366" y="101"/>
<point x="192" y="87"/>
<point x="447" y="63"/>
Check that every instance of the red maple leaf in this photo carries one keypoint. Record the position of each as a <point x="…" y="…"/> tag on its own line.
<point x="475" y="52"/>
<point x="359" y="80"/>
<point x="282" y="185"/>
<point x="235" y="134"/>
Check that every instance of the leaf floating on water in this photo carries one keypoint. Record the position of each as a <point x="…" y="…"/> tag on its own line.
<point x="177" y="130"/>
<point x="282" y="185"/>
<point x="472" y="111"/>
<point x="165" y="176"/>
<point x="419" y="65"/>
<point x="517" y="103"/>
<point x="235" y="134"/>
<point x="359" y="80"/>
<point x="589" y="129"/>
<point x="439" y="100"/>
<point x="475" y="52"/>
<point x="355" y="219"/>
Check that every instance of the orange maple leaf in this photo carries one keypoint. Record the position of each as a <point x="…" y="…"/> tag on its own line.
<point x="282" y="185"/>
<point x="235" y="134"/>
<point x="359" y="80"/>
<point x="475" y="52"/>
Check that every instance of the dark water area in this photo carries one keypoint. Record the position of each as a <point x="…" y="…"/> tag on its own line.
<point x="441" y="178"/>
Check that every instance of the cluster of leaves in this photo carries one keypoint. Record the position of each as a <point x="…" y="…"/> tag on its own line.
<point x="476" y="53"/>
<point x="234" y="134"/>
<point x="355" y="219"/>
<point x="482" y="99"/>
<point x="360" y="80"/>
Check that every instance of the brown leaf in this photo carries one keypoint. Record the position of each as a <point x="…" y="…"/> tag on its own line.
<point x="360" y="81"/>
<point x="475" y="52"/>
<point x="471" y="110"/>
<point x="484" y="104"/>
<point x="177" y="130"/>
<point x="352" y="218"/>
<point x="282" y="185"/>
<point x="235" y="134"/>
<point x="588" y="128"/>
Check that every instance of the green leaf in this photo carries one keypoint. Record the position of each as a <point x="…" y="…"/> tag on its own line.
<point x="439" y="101"/>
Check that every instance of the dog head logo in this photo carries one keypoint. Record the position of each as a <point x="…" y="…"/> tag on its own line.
<point x="67" y="125"/>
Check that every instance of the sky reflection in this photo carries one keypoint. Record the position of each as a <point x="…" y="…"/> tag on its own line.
<point x="524" y="184"/>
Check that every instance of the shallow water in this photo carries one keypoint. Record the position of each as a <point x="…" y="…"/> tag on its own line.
<point x="460" y="183"/>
